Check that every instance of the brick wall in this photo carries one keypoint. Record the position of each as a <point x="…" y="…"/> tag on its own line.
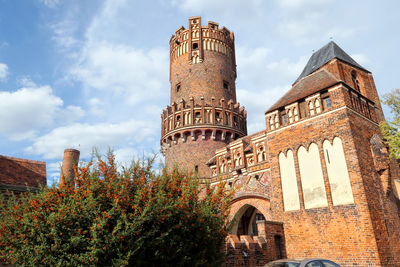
<point x="186" y="155"/>
<point x="245" y="250"/>
<point x="203" y="79"/>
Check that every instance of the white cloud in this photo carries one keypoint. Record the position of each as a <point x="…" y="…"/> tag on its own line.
<point x="85" y="137"/>
<point x="132" y="74"/>
<point x="63" y="34"/>
<point x="362" y="59"/>
<point x="25" y="111"/>
<point x="228" y="9"/>
<point x="96" y="106"/>
<point x="262" y="81"/>
<point x="3" y="71"/>
<point x="295" y="4"/>
<point x="26" y="81"/>
<point x="53" y="172"/>
<point x="305" y="22"/>
<point x="50" y="3"/>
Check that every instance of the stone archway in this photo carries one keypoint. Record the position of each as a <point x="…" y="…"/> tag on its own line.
<point x="245" y="221"/>
<point x="254" y="233"/>
<point x="245" y="212"/>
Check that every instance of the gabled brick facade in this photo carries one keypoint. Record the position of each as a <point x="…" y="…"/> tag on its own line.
<point x="317" y="182"/>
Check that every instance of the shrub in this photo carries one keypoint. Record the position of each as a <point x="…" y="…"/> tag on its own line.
<point x="111" y="218"/>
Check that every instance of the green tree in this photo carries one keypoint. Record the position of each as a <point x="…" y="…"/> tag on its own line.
<point x="391" y="129"/>
<point x="111" y="218"/>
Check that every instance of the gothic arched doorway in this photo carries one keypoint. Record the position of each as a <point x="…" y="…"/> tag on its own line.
<point x="251" y="217"/>
<point x="247" y="221"/>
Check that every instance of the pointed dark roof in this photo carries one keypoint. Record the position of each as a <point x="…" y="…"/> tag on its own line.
<point x="324" y="55"/>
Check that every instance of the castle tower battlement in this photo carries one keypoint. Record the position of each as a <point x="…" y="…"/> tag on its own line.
<point x="203" y="114"/>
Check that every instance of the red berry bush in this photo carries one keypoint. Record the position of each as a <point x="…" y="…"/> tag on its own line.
<point x="117" y="218"/>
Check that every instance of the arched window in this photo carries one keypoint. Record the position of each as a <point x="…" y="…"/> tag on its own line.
<point x="260" y="153"/>
<point x="222" y="165"/>
<point x="271" y="123"/>
<point x="356" y="83"/>
<point x="311" y="108"/>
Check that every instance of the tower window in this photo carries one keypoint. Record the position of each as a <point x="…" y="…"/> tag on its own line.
<point x="195" y="46"/>
<point x="197" y="115"/>
<point x="327" y="102"/>
<point x="196" y="169"/>
<point x="226" y="85"/>
<point x="355" y="80"/>
<point x="178" y="87"/>
<point x="284" y="118"/>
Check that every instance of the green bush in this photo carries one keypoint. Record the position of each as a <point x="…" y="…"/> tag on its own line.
<point x="111" y="218"/>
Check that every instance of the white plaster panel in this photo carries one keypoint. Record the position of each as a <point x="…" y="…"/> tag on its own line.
<point x="289" y="183"/>
<point x="312" y="179"/>
<point x="397" y="188"/>
<point x="338" y="174"/>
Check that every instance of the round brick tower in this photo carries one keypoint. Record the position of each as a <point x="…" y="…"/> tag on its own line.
<point x="203" y="115"/>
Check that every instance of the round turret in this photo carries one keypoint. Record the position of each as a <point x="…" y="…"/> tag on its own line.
<point x="203" y="115"/>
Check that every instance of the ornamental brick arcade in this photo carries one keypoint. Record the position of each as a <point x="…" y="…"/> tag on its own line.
<point x="317" y="182"/>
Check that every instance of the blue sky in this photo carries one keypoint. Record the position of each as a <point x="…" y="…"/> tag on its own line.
<point x="84" y="74"/>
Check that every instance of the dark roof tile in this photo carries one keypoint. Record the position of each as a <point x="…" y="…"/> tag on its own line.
<point x="305" y="87"/>
<point x="323" y="56"/>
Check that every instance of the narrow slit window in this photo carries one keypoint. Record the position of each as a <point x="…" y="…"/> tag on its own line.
<point x="355" y="80"/>
<point x="226" y="85"/>
<point x="178" y="87"/>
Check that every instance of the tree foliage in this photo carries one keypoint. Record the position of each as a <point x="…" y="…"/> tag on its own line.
<point x="112" y="218"/>
<point x="391" y="129"/>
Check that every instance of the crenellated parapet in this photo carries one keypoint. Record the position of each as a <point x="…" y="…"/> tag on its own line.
<point x="197" y="39"/>
<point x="228" y="118"/>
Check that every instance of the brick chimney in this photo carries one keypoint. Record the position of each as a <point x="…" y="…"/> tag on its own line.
<point x="71" y="158"/>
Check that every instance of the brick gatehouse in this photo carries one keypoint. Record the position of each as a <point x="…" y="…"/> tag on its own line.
<point x="317" y="182"/>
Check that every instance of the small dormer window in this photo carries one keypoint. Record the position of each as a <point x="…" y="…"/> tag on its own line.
<point x="356" y="83"/>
